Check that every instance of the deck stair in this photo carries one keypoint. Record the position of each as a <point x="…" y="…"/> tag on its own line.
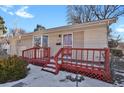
<point x="51" y="67"/>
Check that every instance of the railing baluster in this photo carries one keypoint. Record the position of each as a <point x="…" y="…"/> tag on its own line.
<point x="62" y="55"/>
<point x="87" y="59"/>
<point x="71" y="56"/>
<point x="34" y="53"/>
<point x="37" y="54"/>
<point x="49" y="54"/>
<point x="30" y="54"/>
<point x="81" y="58"/>
<point x="99" y="60"/>
<point x="27" y="54"/>
<point x="76" y="58"/>
<point x="93" y="60"/>
<point x="23" y="54"/>
<point x="41" y="53"/>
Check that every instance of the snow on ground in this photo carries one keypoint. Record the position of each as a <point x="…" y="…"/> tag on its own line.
<point x="38" y="78"/>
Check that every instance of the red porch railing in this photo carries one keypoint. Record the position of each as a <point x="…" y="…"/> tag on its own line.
<point x="87" y="61"/>
<point x="91" y="62"/>
<point x="56" y="59"/>
<point x="37" y="55"/>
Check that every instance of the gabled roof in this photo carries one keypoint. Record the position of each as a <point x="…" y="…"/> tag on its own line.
<point x="74" y="26"/>
<point x="86" y="24"/>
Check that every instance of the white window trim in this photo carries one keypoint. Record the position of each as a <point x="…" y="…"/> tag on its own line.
<point x="66" y="34"/>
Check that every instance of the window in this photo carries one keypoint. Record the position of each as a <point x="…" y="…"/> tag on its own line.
<point x="45" y="41"/>
<point x="37" y="40"/>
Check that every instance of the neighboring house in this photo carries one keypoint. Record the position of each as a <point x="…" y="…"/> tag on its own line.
<point x="121" y="46"/>
<point x="86" y="35"/>
<point x="4" y="46"/>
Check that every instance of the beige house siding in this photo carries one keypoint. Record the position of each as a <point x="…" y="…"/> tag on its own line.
<point x="92" y="38"/>
<point x="95" y="38"/>
<point x="27" y="43"/>
<point x="78" y="39"/>
<point x="54" y="38"/>
<point x="18" y="45"/>
<point x="86" y="35"/>
<point x="24" y="44"/>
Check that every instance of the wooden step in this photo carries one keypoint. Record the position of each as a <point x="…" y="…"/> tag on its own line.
<point x="53" y="65"/>
<point x="48" y="66"/>
<point x="53" y="71"/>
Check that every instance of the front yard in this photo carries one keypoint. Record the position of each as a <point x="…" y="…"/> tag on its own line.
<point x="38" y="78"/>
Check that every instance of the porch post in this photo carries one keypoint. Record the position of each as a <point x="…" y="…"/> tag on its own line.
<point x="107" y="60"/>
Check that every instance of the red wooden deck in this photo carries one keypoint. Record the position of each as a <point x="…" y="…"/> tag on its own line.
<point x="37" y="55"/>
<point x="86" y="61"/>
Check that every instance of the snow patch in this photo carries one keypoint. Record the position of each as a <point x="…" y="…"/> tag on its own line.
<point x="38" y="78"/>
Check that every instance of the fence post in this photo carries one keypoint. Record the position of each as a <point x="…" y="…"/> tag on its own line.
<point x="62" y="55"/>
<point x="48" y="54"/>
<point x="107" y="65"/>
<point x="107" y="61"/>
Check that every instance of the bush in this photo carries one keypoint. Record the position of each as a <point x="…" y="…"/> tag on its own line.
<point x="116" y="52"/>
<point x="12" y="68"/>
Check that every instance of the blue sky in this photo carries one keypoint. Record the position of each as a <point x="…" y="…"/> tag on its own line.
<point x="27" y="17"/>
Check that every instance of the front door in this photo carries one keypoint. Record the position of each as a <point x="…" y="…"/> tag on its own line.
<point x="67" y="40"/>
<point x="67" y="44"/>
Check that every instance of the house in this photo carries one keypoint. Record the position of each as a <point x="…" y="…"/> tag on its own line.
<point x="78" y="48"/>
<point x="121" y="46"/>
<point x="86" y="35"/>
<point x="4" y="46"/>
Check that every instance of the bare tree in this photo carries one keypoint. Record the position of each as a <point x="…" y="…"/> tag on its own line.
<point x="113" y="39"/>
<point x="79" y="14"/>
<point x="107" y="11"/>
<point x="88" y="13"/>
<point x="16" y="32"/>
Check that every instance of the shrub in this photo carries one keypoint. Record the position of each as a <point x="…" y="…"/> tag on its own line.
<point x="12" y="68"/>
<point x="116" y="52"/>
